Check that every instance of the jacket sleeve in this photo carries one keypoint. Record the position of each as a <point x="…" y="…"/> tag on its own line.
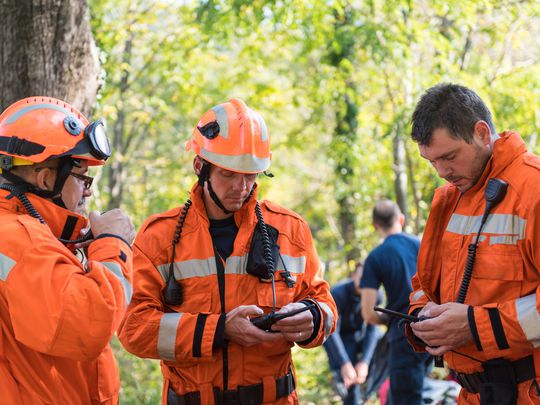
<point x="60" y="308"/>
<point x="335" y="349"/>
<point x="514" y="324"/>
<point x="149" y="330"/>
<point x="315" y="289"/>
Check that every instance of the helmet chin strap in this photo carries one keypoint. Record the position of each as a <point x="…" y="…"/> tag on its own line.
<point x="63" y="170"/>
<point x="204" y="176"/>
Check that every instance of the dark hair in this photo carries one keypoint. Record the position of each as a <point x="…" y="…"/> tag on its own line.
<point x="449" y="106"/>
<point x="385" y="213"/>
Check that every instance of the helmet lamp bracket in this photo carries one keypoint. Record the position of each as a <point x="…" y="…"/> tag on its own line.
<point x="210" y="130"/>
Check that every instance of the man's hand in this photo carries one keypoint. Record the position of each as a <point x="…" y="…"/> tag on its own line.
<point x="240" y="330"/>
<point x="361" y="371"/>
<point x="296" y="328"/>
<point x="114" y="222"/>
<point x="348" y="374"/>
<point x="447" y="328"/>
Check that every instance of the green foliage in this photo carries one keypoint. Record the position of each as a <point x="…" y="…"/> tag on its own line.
<point x="336" y="82"/>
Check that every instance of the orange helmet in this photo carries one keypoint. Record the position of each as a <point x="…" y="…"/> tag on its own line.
<point x="37" y="129"/>
<point x="234" y="137"/>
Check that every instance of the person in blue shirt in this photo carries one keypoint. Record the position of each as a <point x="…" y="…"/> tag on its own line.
<point x="350" y="348"/>
<point x="392" y="265"/>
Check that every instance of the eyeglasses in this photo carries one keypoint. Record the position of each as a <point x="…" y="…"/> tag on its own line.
<point x="87" y="180"/>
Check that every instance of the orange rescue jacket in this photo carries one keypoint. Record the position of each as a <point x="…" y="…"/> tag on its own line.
<point x="186" y="337"/>
<point x="504" y="289"/>
<point x="58" y="316"/>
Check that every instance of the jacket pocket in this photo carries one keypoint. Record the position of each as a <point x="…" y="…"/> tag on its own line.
<point x="498" y="263"/>
<point x="106" y="384"/>
<point x="497" y="276"/>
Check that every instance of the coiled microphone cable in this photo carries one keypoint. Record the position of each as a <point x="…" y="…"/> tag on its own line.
<point x="494" y="193"/>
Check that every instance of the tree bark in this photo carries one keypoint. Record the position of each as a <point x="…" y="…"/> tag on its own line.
<point x="400" y="173"/>
<point x="47" y="49"/>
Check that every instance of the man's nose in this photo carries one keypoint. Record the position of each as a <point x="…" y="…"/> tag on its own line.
<point x="443" y="170"/>
<point x="240" y="183"/>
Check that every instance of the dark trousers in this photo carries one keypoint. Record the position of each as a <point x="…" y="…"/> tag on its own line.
<point x="352" y="346"/>
<point x="407" y="371"/>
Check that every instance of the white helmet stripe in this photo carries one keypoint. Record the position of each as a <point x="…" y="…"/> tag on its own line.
<point x="246" y="163"/>
<point x="264" y="130"/>
<point x="222" y="119"/>
<point x="23" y="111"/>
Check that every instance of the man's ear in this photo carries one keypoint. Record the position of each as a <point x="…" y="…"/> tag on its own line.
<point x="482" y="132"/>
<point x="197" y="165"/>
<point x="45" y="178"/>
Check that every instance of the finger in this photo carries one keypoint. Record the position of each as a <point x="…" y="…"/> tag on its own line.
<point x="93" y="215"/>
<point x="437" y="351"/>
<point x="246" y="310"/>
<point x="292" y="325"/>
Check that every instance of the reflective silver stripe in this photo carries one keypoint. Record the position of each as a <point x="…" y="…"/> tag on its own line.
<point x="246" y="163"/>
<point x="116" y="269"/>
<point x="417" y="295"/>
<point x="6" y="264"/>
<point x="264" y="129"/>
<point x="23" y="111"/>
<point x="222" y="119"/>
<point x="168" y="326"/>
<point x="496" y="224"/>
<point x="236" y="265"/>
<point x="328" y="318"/>
<point x="190" y="269"/>
<point x="503" y="240"/>
<point x="528" y="318"/>
<point x="233" y="265"/>
<point x="294" y="264"/>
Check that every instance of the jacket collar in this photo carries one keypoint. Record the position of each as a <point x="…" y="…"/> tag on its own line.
<point x="247" y="212"/>
<point x="506" y="149"/>
<point x="62" y="222"/>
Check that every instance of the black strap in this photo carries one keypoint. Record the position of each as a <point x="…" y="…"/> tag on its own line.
<point x="243" y="395"/>
<point x="69" y="227"/>
<point x="20" y="147"/>
<point x="198" y="335"/>
<point x="191" y="398"/>
<point x="221" y="285"/>
<point x="498" y="330"/>
<point x="474" y="329"/>
<point x="499" y="371"/>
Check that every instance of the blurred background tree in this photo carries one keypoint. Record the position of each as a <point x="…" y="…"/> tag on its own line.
<point x="335" y="80"/>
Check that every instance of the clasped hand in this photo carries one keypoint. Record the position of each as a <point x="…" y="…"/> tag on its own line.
<point x="240" y="330"/>
<point x="446" y="329"/>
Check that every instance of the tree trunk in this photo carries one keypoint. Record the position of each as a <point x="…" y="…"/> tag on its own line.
<point x="116" y="168"/>
<point x="400" y="173"/>
<point x="47" y="49"/>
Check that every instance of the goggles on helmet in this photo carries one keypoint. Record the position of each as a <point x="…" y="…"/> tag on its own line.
<point x="97" y="140"/>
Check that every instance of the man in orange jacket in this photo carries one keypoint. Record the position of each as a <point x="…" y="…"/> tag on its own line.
<point x="204" y="271"/>
<point x="478" y="265"/>
<point x="57" y="315"/>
